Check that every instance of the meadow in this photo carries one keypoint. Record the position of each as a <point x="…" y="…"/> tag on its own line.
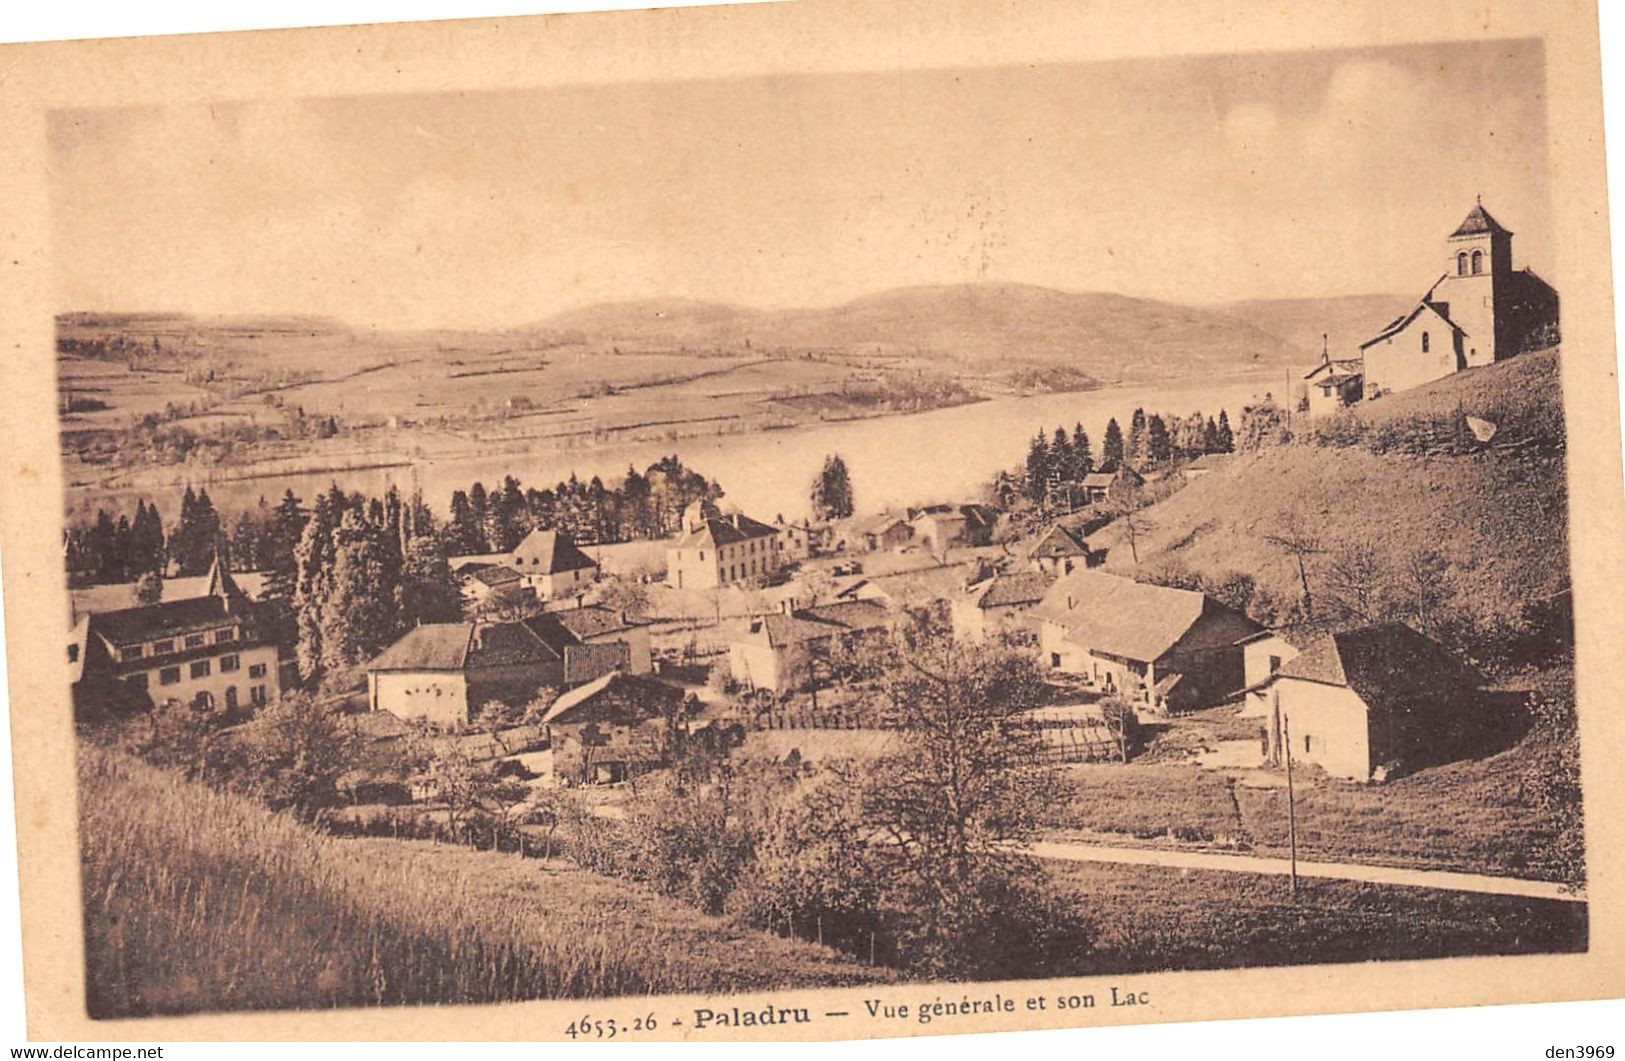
<point x="196" y="900"/>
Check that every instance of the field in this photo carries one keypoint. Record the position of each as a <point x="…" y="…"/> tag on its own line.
<point x="1471" y="815"/>
<point x="1152" y="919"/>
<point x="196" y="900"/>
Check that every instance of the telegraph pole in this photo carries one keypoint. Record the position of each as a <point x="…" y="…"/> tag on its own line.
<point x="1291" y="805"/>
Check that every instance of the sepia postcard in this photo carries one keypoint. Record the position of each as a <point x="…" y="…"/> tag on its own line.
<point x="812" y="521"/>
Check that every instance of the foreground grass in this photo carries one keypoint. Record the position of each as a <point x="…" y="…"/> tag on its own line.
<point x="1473" y="816"/>
<point x="1152" y="919"/>
<point x="196" y="900"/>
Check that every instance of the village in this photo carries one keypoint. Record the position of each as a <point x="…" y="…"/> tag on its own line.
<point x="525" y="696"/>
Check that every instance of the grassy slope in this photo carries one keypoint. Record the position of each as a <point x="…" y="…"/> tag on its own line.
<point x="1154" y="919"/>
<point x="1472" y="815"/>
<point x="195" y="900"/>
<point x="1499" y="515"/>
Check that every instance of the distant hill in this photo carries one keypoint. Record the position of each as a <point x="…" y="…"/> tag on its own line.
<point x="1346" y="320"/>
<point x="1105" y="335"/>
<point x="1399" y="474"/>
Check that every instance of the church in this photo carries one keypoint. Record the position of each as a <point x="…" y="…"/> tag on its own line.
<point x="1481" y="310"/>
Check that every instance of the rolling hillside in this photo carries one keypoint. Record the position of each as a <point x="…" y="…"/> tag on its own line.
<point x="1399" y="475"/>
<point x="1106" y="335"/>
<point x="1346" y="321"/>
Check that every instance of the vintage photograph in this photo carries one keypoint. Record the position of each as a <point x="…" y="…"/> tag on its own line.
<point x="830" y="529"/>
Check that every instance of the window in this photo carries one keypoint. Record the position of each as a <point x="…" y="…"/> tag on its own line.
<point x="160" y="648"/>
<point x="1275" y="664"/>
<point x="169" y="676"/>
<point x="1478" y="262"/>
<point x="1054" y="659"/>
<point x="200" y="669"/>
<point x="230" y="663"/>
<point x="1308" y="743"/>
<point x="231" y="698"/>
<point x="1461" y="264"/>
<point x="137" y="681"/>
<point x="228" y="634"/>
<point x="132" y="652"/>
<point x="257" y="694"/>
<point x="702" y="555"/>
<point x="194" y="641"/>
<point x="1424" y="342"/>
<point x="256" y="670"/>
<point x="73" y="653"/>
<point x="203" y="700"/>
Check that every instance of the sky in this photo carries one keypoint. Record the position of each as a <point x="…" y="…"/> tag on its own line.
<point x="1196" y="180"/>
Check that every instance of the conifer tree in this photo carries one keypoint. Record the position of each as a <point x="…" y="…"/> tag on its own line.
<point x="1226" y="437"/>
<point x="1111" y="447"/>
<point x="1037" y="467"/>
<point x="1083" y="457"/>
<point x="832" y="490"/>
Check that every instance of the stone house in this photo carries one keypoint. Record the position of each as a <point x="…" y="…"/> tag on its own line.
<point x="1059" y="551"/>
<point x="1166" y="649"/>
<point x="614" y="727"/>
<point x="1365" y="703"/>
<point x="778" y="651"/>
<point x="998" y="604"/>
<point x="553" y="566"/>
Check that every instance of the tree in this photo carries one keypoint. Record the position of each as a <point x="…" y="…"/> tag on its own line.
<point x="1354" y="581"/>
<point x="1298" y="543"/>
<point x="1158" y="445"/>
<point x="1137" y="427"/>
<point x="358" y="615"/>
<point x="960" y="795"/>
<point x="1427" y="583"/>
<point x="1037" y="468"/>
<point x="149" y="588"/>
<point x="1262" y="424"/>
<point x="428" y="593"/>
<point x="295" y="751"/>
<point x="1226" y="438"/>
<point x="1083" y="457"/>
<point x="492" y="718"/>
<point x="832" y="490"/>
<point x="1111" y="447"/>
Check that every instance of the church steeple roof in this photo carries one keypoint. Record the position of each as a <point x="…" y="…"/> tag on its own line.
<point x="1478" y="222"/>
<point x="221" y="584"/>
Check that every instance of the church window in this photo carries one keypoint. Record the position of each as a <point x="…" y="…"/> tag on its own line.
<point x="1424" y="342"/>
<point x="1461" y="264"/>
<point x="1478" y="262"/>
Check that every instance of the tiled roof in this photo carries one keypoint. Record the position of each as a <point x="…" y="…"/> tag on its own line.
<point x="550" y="552"/>
<point x="629" y="696"/>
<point x="432" y="646"/>
<point x="512" y="645"/>
<point x="1059" y="541"/>
<point x="1398" y="324"/>
<point x="1478" y="222"/>
<point x="1120" y="616"/>
<point x="1384" y="664"/>
<point x="817" y="623"/>
<point x="166" y="619"/>
<point x="593" y="620"/>
<point x="726" y="530"/>
<point x="1010" y="590"/>
<point x="495" y="575"/>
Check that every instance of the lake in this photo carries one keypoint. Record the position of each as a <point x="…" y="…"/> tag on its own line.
<point x="942" y="455"/>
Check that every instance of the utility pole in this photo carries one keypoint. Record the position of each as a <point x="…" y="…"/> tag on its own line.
<point x="1291" y="805"/>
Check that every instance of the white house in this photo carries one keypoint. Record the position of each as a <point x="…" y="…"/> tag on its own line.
<point x="717" y="549"/>
<point x="549" y="563"/>
<point x="997" y="604"/>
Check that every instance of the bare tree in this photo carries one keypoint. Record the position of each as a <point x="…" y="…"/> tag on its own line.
<point x="1427" y="575"/>
<point x="1354" y="581"/>
<point x="1298" y="543"/>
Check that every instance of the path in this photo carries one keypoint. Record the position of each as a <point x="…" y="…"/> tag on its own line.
<point x="1447" y="880"/>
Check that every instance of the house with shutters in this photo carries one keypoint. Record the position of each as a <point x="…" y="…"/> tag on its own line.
<point x="1162" y="648"/>
<point x="1109" y="483"/>
<point x="719" y="549"/>
<point x="880" y="533"/>
<point x="943" y="527"/>
<point x="552" y="566"/>
<point x="210" y="651"/>
<point x="1370" y="702"/>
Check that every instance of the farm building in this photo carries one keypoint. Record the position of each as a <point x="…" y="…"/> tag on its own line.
<point x="879" y="533"/>
<point x="949" y="526"/>
<point x="614" y="727"/>
<point x="1363" y="702"/>
<point x="209" y="651"/>
<point x="1109" y="483"/>
<point x="1169" y="649"/>
<point x="1059" y="551"/>
<point x="1206" y="464"/>
<point x="443" y="672"/>
<point x="997" y="604"/>
<point x="778" y="651"/>
<point x="1334" y="383"/>
<point x="491" y="583"/>
<point x="800" y="538"/>
<point x="717" y="549"/>
<point x="1481" y="310"/>
<point x="551" y="565"/>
